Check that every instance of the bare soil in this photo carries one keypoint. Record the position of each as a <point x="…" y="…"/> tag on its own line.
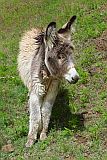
<point x="101" y="42"/>
<point x="103" y="7"/>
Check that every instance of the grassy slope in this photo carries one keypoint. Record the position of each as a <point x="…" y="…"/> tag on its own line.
<point x="73" y="135"/>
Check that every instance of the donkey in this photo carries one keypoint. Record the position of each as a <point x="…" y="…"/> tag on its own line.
<point x="45" y="57"/>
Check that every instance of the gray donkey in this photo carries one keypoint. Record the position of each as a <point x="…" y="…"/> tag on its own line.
<point x="45" y="57"/>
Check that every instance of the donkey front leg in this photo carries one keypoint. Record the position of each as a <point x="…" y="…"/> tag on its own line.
<point x="35" y="118"/>
<point x="47" y="108"/>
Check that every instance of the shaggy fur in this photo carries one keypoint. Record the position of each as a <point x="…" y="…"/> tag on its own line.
<point x="44" y="58"/>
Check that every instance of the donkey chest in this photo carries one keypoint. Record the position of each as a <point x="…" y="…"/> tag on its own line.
<point x="47" y="86"/>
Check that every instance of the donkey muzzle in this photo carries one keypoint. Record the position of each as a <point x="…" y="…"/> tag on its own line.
<point x="72" y="76"/>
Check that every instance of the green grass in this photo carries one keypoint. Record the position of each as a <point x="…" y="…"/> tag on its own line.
<point x="72" y="134"/>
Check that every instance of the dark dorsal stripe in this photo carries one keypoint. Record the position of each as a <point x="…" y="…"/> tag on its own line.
<point x="40" y="38"/>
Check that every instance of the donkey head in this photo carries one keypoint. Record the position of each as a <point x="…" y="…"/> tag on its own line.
<point x="58" y="51"/>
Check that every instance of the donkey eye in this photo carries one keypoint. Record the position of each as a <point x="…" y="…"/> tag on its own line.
<point x="61" y="56"/>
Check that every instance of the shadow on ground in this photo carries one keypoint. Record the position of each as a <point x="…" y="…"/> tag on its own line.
<point x="61" y="114"/>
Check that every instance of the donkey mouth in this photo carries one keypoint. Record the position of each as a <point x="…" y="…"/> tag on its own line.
<point x="73" y="81"/>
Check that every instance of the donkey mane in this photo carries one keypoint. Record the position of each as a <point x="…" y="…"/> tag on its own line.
<point x="39" y="42"/>
<point x="40" y="51"/>
<point x="40" y="38"/>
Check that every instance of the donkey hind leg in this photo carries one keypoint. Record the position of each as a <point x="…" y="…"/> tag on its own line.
<point x="35" y="118"/>
<point x="47" y="108"/>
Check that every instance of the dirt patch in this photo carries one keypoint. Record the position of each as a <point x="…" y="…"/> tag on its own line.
<point x="81" y="139"/>
<point x="101" y="42"/>
<point x="103" y="7"/>
<point x="69" y="158"/>
<point x="91" y="117"/>
<point x="8" y="148"/>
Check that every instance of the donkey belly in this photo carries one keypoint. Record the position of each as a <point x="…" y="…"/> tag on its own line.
<point x="27" y="51"/>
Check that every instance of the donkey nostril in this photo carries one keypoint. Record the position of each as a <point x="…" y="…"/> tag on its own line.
<point x="75" y="79"/>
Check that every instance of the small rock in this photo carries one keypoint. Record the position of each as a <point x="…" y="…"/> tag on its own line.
<point x="8" y="148"/>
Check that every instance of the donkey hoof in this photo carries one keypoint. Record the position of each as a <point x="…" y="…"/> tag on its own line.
<point x="29" y="143"/>
<point x="43" y="136"/>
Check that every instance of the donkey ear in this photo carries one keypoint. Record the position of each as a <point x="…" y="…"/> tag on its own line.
<point x="50" y="35"/>
<point x="66" y="28"/>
